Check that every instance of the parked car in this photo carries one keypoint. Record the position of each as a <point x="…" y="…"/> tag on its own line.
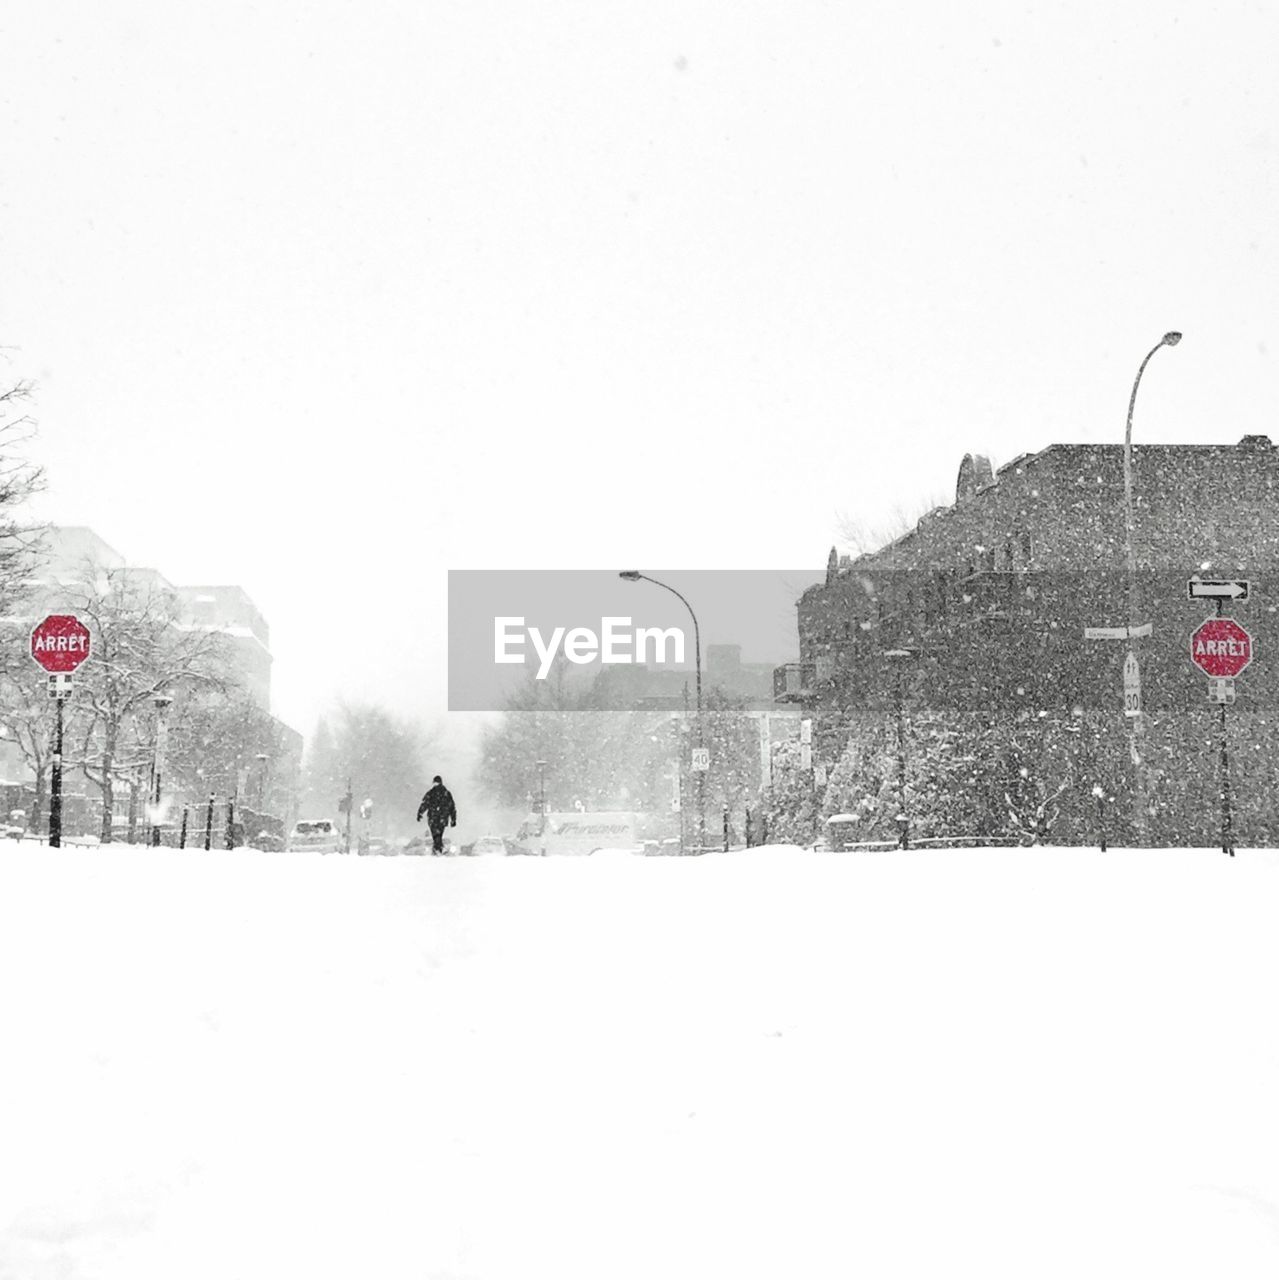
<point x="316" y="835"/>
<point x="422" y="845"/>
<point x="578" y="832"/>
<point x="486" y="845"/>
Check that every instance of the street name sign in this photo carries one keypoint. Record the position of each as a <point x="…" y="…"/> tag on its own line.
<point x="60" y="643"/>
<point x="1217" y="589"/>
<point x="1220" y="648"/>
<point x="1117" y="633"/>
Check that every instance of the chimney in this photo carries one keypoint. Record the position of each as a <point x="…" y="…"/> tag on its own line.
<point x="975" y="473"/>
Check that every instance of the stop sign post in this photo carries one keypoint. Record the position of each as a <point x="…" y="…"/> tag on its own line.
<point x="1221" y="648"/>
<point x="59" y="644"/>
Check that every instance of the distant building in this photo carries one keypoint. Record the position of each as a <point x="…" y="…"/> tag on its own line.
<point x="979" y="613"/>
<point x="666" y="688"/>
<point x="229" y="611"/>
<point x="72" y="552"/>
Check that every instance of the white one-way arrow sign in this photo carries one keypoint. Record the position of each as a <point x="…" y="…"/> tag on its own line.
<point x="1217" y="588"/>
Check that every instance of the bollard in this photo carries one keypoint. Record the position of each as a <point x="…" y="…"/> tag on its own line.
<point x="182" y="839"/>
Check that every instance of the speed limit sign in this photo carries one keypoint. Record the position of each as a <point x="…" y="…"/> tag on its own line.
<point x="701" y="759"/>
<point x="1132" y="686"/>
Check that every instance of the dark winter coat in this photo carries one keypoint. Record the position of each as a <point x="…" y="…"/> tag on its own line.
<point x="438" y="806"/>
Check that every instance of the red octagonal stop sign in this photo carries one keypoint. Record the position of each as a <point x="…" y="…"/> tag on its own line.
<point x="60" y="642"/>
<point x="1220" y="647"/>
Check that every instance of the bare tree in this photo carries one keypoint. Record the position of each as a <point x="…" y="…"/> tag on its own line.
<point x="216" y="738"/>
<point x="24" y="711"/>
<point x="1029" y="816"/>
<point x="859" y="537"/>
<point x="140" y="649"/>
<point x="20" y="479"/>
<point x="381" y="754"/>
<point x="25" y="714"/>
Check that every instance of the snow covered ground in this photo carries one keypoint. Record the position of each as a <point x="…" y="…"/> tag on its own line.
<point x="997" y="1063"/>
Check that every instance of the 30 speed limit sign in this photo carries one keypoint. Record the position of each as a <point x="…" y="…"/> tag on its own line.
<point x="1132" y="686"/>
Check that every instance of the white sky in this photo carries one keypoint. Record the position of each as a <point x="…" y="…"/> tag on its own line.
<point x="326" y="298"/>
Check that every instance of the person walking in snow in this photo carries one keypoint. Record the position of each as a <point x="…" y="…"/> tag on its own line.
<point x="440" y="812"/>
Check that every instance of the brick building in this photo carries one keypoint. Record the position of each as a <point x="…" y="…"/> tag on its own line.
<point x="969" y="631"/>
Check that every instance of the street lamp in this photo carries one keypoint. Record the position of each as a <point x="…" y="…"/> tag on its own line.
<point x="1169" y="339"/>
<point x="900" y="656"/>
<point x="162" y="703"/>
<point x="634" y="575"/>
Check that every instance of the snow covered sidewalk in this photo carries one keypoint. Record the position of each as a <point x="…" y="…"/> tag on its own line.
<point x="999" y="1062"/>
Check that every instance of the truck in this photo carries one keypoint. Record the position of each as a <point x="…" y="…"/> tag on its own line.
<point x="577" y="833"/>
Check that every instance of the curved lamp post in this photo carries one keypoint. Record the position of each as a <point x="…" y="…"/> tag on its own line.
<point x="634" y="575"/>
<point x="1169" y="339"/>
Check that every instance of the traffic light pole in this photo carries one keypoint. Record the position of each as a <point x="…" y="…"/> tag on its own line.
<point x="55" y="784"/>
